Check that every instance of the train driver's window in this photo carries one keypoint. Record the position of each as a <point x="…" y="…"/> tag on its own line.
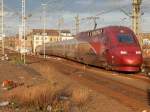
<point x="123" y="38"/>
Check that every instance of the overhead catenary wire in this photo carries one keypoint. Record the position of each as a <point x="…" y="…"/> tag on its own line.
<point x="49" y="2"/>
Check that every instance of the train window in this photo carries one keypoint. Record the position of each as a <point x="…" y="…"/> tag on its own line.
<point x="125" y="39"/>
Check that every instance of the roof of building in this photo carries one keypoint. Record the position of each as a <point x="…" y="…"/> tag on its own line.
<point x="65" y="31"/>
<point x="50" y="32"/>
<point x="145" y="35"/>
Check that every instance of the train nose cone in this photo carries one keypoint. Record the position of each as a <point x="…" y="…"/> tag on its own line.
<point x="132" y="60"/>
<point x="129" y="61"/>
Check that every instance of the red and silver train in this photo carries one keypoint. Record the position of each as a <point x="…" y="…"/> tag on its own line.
<point x="113" y="48"/>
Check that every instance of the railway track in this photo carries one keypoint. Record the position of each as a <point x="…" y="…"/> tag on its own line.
<point x="130" y="96"/>
<point x="128" y="90"/>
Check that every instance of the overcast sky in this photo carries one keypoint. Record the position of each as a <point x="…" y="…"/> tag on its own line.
<point x="108" y="11"/>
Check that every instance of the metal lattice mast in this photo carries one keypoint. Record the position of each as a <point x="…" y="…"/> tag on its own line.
<point x="136" y="12"/>
<point x="23" y="30"/>
<point x="2" y="26"/>
<point x="77" y="24"/>
<point x="44" y="27"/>
<point x="60" y="24"/>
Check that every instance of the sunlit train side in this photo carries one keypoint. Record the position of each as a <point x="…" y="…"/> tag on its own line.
<point x="113" y="48"/>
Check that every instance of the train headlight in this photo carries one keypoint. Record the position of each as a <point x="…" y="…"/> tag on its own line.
<point x="123" y="52"/>
<point x="138" y="52"/>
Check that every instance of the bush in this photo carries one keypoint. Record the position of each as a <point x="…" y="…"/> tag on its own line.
<point x="41" y="97"/>
<point x="80" y="96"/>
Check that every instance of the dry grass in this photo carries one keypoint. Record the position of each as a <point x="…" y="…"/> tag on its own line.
<point x="32" y="95"/>
<point x="50" y="94"/>
<point x="46" y="71"/>
<point x="51" y="74"/>
<point x="16" y="60"/>
<point x="80" y="96"/>
<point x="40" y="96"/>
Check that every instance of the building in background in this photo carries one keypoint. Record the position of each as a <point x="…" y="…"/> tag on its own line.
<point x="36" y="37"/>
<point x="65" y="35"/>
<point x="145" y="44"/>
<point x="12" y="42"/>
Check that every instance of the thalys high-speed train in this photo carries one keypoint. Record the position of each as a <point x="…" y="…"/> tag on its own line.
<point x="113" y="48"/>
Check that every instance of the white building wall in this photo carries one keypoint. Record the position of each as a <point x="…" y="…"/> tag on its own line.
<point x="39" y="40"/>
<point x="66" y="36"/>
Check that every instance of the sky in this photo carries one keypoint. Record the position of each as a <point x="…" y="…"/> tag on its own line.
<point x="108" y="12"/>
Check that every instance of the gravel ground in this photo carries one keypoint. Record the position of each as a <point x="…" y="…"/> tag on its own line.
<point x="37" y="73"/>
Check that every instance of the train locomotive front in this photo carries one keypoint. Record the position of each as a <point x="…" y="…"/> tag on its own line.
<point x="123" y="51"/>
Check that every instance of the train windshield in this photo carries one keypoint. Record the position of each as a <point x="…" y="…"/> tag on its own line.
<point x="126" y="39"/>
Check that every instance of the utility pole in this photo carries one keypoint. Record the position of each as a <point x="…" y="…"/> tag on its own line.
<point x="44" y="27"/>
<point x="23" y="31"/>
<point x="20" y="40"/>
<point x="77" y="24"/>
<point x="136" y="12"/>
<point x="2" y="26"/>
<point x="60" y="22"/>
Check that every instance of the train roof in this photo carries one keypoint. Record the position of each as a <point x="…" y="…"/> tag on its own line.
<point x="71" y="41"/>
<point x="116" y="27"/>
<point x="104" y="28"/>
